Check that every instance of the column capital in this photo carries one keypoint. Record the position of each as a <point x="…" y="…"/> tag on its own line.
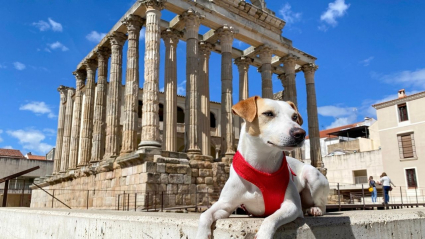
<point x="133" y="23"/>
<point x="205" y="48"/>
<point x="155" y="4"/>
<point x="117" y="38"/>
<point x="171" y="36"/>
<point x="63" y="91"/>
<point x="71" y="91"/>
<point x="282" y="76"/>
<point x="192" y="21"/>
<point x="81" y="76"/>
<point x="309" y="68"/>
<point x="289" y="59"/>
<point x="226" y="35"/>
<point x="91" y="64"/>
<point x="103" y="53"/>
<point x="243" y="61"/>
<point x="265" y="52"/>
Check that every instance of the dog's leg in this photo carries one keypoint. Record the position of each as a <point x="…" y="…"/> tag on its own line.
<point x="219" y="210"/>
<point x="289" y="211"/>
<point x="319" y="189"/>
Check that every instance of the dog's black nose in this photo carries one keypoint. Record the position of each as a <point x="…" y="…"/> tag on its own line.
<point x="297" y="133"/>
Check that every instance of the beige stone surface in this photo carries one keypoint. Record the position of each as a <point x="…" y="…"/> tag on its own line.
<point x="67" y="130"/>
<point x="63" y="91"/>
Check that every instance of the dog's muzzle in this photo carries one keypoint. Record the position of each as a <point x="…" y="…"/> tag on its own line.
<point x="297" y="134"/>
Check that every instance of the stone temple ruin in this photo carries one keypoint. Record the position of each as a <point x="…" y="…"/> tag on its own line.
<point x="113" y="138"/>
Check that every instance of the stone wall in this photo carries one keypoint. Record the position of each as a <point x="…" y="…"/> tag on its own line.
<point x="171" y="181"/>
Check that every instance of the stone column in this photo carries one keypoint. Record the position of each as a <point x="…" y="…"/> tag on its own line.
<point x="80" y="75"/>
<point x="227" y="131"/>
<point x="288" y="79"/>
<point x="129" y="140"/>
<point x="171" y="39"/>
<point x="113" y="112"/>
<point x="150" y="118"/>
<point x="99" y="117"/>
<point x="265" y="53"/>
<point x="205" y="49"/>
<point x="313" y="121"/>
<point x="67" y="131"/>
<point x="87" y="125"/>
<point x="61" y="124"/>
<point x="243" y="66"/>
<point x="192" y="21"/>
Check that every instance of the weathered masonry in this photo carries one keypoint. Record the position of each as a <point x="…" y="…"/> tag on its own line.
<point x="116" y="137"/>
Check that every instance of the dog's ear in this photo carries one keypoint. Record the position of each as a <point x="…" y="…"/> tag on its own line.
<point x="300" y="119"/>
<point x="247" y="109"/>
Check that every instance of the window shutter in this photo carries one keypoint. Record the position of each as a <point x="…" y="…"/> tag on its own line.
<point x="413" y="145"/>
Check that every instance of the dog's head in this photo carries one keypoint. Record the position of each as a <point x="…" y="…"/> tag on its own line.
<point x="276" y="123"/>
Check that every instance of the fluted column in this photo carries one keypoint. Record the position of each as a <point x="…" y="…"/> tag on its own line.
<point x="67" y="130"/>
<point x="227" y="131"/>
<point x="192" y="21"/>
<point x="87" y="122"/>
<point x="150" y="118"/>
<point x="129" y="140"/>
<point x="288" y="80"/>
<point x="205" y="49"/>
<point x="63" y="91"/>
<point x="99" y="117"/>
<point x="113" y="112"/>
<point x="171" y="38"/>
<point x="313" y="121"/>
<point x="80" y="75"/>
<point x="265" y="53"/>
<point x="243" y="66"/>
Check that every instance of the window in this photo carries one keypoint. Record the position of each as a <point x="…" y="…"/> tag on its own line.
<point x="180" y="115"/>
<point x="406" y="145"/>
<point x="161" y="112"/>
<point x="212" y="120"/>
<point x="411" y="178"/>
<point x="402" y="112"/>
<point x="140" y="106"/>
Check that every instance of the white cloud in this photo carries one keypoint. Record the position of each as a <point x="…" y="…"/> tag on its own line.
<point x="181" y="88"/>
<point x="142" y="34"/>
<point x="3" y="66"/>
<point x="95" y="36"/>
<point x="1" y="139"/>
<point x="41" y="25"/>
<point x="19" y="66"/>
<point x="38" y="108"/>
<point x="44" y="26"/>
<point x="369" y="111"/>
<point x="7" y="147"/>
<point x="31" y="140"/>
<point x="56" y="26"/>
<point x="49" y="132"/>
<point x="414" y="79"/>
<point x="57" y="45"/>
<point x="288" y="15"/>
<point x="367" y="61"/>
<point x="335" y="10"/>
<point x="342" y="115"/>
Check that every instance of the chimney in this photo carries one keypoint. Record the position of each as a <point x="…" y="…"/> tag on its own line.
<point x="401" y="93"/>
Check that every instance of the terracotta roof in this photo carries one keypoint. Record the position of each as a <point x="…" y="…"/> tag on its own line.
<point x="36" y="157"/>
<point x="11" y="153"/>
<point x="325" y="133"/>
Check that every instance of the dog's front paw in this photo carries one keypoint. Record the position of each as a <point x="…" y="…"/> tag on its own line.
<point x="203" y="234"/>
<point x="265" y="232"/>
<point x="314" y="211"/>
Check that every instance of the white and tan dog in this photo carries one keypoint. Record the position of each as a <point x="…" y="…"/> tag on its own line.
<point x="270" y="128"/>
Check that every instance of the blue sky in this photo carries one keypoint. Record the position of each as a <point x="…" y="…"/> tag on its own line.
<point x="366" y="50"/>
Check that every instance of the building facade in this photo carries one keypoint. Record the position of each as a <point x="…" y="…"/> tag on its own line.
<point x="402" y="134"/>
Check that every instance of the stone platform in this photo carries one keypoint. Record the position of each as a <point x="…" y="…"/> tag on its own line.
<point x="61" y="223"/>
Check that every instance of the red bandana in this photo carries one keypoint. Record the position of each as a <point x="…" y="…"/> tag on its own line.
<point x="273" y="186"/>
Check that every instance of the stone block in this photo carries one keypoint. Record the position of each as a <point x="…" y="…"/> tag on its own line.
<point x="162" y="188"/>
<point x="201" y="188"/>
<point x="183" y="169"/>
<point x="149" y="167"/>
<point x="164" y="178"/>
<point x="200" y="180"/>
<point x="172" y="188"/>
<point x="109" y="175"/>
<point x="176" y="178"/>
<point x="183" y="189"/>
<point x="149" y="187"/>
<point x="150" y="178"/>
<point x="195" y="172"/>
<point x="187" y="179"/>
<point x="192" y="188"/>
<point x="171" y="168"/>
<point x="205" y="173"/>
<point x="193" y="180"/>
<point x="122" y="181"/>
<point x="160" y="167"/>
<point x="209" y="180"/>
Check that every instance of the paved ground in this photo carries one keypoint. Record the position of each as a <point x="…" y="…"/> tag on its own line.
<point x="61" y="223"/>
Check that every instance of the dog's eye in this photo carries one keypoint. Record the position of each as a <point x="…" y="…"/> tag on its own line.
<point x="295" y="117"/>
<point x="268" y="114"/>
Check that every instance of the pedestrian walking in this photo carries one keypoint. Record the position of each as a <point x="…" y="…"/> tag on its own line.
<point x="373" y="186"/>
<point x="386" y="183"/>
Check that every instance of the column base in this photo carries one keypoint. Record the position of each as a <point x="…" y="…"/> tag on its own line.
<point x="149" y="144"/>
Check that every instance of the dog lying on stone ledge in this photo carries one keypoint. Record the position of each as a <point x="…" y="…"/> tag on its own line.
<point x="262" y="179"/>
